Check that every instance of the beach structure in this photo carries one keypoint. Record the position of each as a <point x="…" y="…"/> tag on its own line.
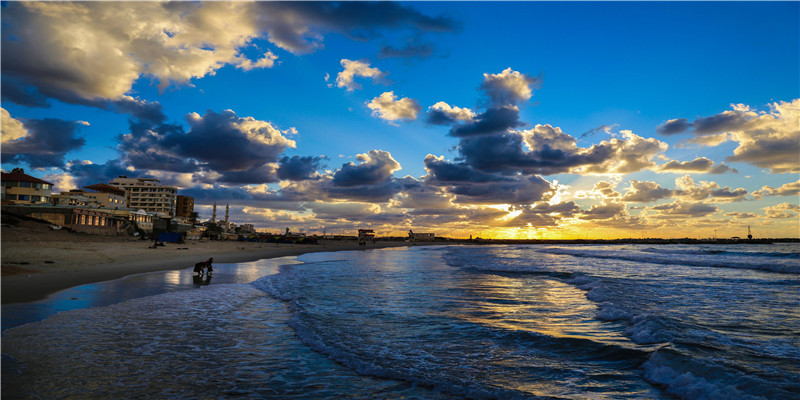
<point x="423" y="237"/>
<point x="80" y="219"/>
<point x="21" y="188"/>
<point x="148" y="194"/>
<point x="366" y="236"/>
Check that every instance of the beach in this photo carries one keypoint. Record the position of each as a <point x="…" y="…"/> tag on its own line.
<point x="38" y="261"/>
<point x="425" y="322"/>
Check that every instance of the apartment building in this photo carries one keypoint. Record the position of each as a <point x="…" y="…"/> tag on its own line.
<point x="148" y="194"/>
<point x="185" y="206"/>
<point x="20" y="188"/>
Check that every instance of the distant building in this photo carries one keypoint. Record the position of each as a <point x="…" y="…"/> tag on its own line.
<point x="423" y="237"/>
<point x="75" y="198"/>
<point x="184" y="206"/>
<point x="20" y="188"/>
<point x="100" y="196"/>
<point x="108" y="196"/>
<point x="247" y="228"/>
<point x="148" y="194"/>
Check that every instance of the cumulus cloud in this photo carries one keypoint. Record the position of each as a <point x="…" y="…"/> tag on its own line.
<point x="600" y="190"/>
<point x="388" y="107"/>
<point x="11" y="129"/>
<point x="225" y="146"/>
<point x="442" y="113"/>
<point x="674" y="126"/>
<point x="267" y="61"/>
<point x="297" y="168"/>
<point x="508" y="87"/>
<point x="41" y="143"/>
<point x="348" y="210"/>
<point x="90" y="52"/>
<point x="783" y="210"/>
<point x="787" y="189"/>
<point x="358" y="68"/>
<point x="495" y="120"/>
<point x="681" y="210"/>
<point x="550" y="151"/>
<point x="374" y="167"/>
<point x="698" y="165"/>
<point x="645" y="192"/>
<point x="767" y="139"/>
<point x="476" y="187"/>
<point x="604" y="211"/>
<point x="689" y="190"/>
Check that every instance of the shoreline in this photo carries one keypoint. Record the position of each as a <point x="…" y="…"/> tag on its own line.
<point x="35" y="270"/>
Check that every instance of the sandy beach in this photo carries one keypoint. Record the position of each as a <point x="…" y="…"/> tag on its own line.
<point x="37" y="261"/>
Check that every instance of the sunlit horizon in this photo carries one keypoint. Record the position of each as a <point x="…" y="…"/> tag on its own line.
<point x="511" y="120"/>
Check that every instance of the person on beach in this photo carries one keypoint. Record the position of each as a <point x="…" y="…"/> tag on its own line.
<point x="204" y="265"/>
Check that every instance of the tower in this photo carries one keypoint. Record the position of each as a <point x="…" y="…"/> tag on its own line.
<point x="214" y="214"/>
<point x="227" y="222"/>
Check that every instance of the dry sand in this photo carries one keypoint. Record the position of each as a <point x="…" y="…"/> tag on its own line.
<point x="37" y="261"/>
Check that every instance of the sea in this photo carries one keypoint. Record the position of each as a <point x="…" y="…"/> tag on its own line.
<point x="427" y="322"/>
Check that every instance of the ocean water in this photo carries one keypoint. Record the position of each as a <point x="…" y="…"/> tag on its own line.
<point x="438" y="322"/>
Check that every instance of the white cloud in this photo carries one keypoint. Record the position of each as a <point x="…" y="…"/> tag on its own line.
<point x="386" y="106"/>
<point x="787" y="189"/>
<point x="353" y="69"/>
<point x="11" y="128"/>
<point x="453" y="112"/>
<point x="508" y="87"/>
<point x="268" y="61"/>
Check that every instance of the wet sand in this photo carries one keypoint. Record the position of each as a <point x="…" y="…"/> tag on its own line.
<point x="37" y="262"/>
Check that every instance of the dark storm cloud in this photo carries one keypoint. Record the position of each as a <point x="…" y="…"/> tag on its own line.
<point x="477" y="187"/>
<point x="378" y="192"/>
<point x="225" y="142"/>
<point x="505" y="153"/>
<point x="358" y="20"/>
<point x="447" y="172"/>
<point x="47" y="142"/>
<point x="375" y="167"/>
<point x="89" y="174"/>
<point x="674" y="126"/>
<point x="297" y="168"/>
<point x="238" y="149"/>
<point x="493" y="121"/>
<point x="17" y="91"/>
<point x="719" y="123"/>
<point x="141" y="110"/>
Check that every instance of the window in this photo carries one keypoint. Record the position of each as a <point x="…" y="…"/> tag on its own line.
<point x="25" y="184"/>
<point x="24" y="197"/>
<point x="11" y="197"/>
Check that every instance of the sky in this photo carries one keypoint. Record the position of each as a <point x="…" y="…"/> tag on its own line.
<point x="542" y="120"/>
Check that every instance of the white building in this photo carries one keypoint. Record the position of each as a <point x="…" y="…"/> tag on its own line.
<point x="148" y="194"/>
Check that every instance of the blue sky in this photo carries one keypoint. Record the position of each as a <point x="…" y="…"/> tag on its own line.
<point x="577" y="118"/>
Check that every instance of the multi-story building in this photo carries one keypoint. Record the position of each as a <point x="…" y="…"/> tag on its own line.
<point x="108" y="196"/>
<point x="20" y="188"/>
<point x="148" y="194"/>
<point x="100" y="196"/>
<point x="185" y="206"/>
